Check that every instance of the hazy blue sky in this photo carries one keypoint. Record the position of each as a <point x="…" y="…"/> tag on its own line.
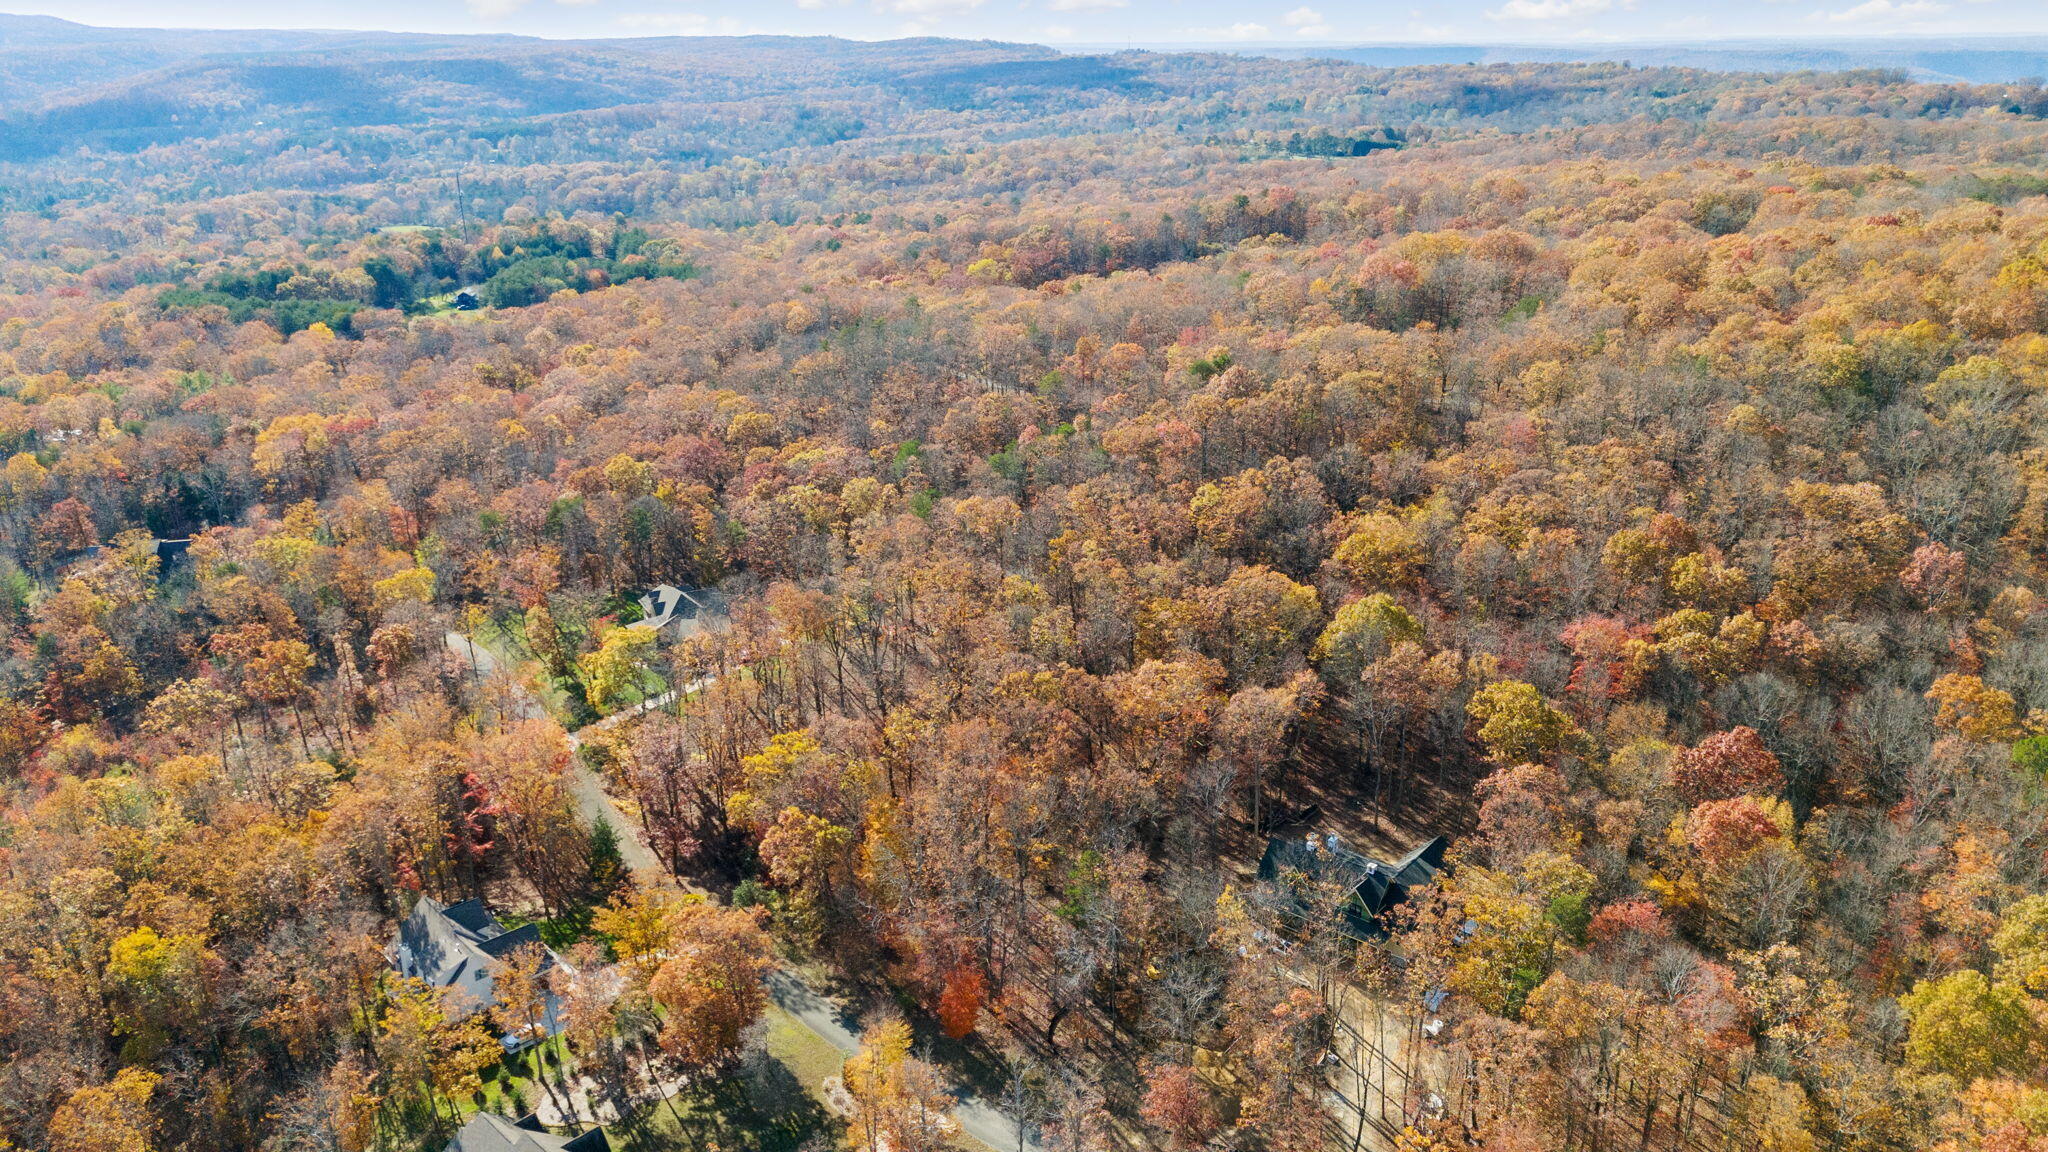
<point x="1100" y="21"/>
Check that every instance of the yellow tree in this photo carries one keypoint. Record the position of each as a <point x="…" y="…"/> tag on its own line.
<point x="1361" y="632"/>
<point x="809" y="856"/>
<point x="1966" y="1027"/>
<point x="1517" y="725"/>
<point x="614" y="669"/>
<point x="2021" y="942"/>
<point x="1383" y="551"/>
<point x="710" y="985"/>
<point x="427" y="1056"/>
<point x="903" y="1101"/>
<point x="110" y="1117"/>
<point x="521" y="984"/>
<point x="1974" y="710"/>
<point x="637" y="923"/>
<point x="159" y="986"/>
<point x="412" y="586"/>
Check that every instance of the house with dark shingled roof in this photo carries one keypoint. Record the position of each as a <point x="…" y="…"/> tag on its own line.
<point x="459" y="947"/>
<point x="1371" y="887"/>
<point x="688" y="610"/>
<point x="487" y="1133"/>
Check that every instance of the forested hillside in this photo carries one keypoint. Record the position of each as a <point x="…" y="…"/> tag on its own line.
<point x="1635" y="476"/>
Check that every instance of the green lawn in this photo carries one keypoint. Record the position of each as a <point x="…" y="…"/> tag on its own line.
<point x="506" y="640"/>
<point x="773" y="1107"/>
<point x="810" y="1060"/>
<point x="560" y="933"/>
<point x="651" y="685"/>
<point x="806" y="1054"/>
<point x="517" y="1074"/>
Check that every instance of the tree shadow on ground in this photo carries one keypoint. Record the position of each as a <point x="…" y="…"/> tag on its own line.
<point x="760" y="1109"/>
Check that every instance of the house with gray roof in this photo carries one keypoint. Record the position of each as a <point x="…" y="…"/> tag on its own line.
<point x="1369" y="887"/>
<point x="459" y="947"/>
<point x="686" y="610"/>
<point x="488" y="1133"/>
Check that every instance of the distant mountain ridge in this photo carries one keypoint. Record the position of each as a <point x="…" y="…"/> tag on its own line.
<point x="49" y="64"/>
<point x="41" y="54"/>
<point x="63" y="85"/>
<point x="1974" y="60"/>
<point x="66" y="86"/>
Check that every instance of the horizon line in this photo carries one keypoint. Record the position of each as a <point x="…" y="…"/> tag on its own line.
<point x="1872" y="39"/>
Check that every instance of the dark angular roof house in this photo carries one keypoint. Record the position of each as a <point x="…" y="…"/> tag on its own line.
<point x="488" y="1133"/>
<point x="458" y="946"/>
<point x="691" y="609"/>
<point x="170" y="552"/>
<point x="1373" y="886"/>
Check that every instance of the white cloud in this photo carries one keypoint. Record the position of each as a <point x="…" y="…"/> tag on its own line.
<point x="1306" y="21"/>
<point x="494" y="9"/>
<point x="1086" y="5"/>
<point x="1245" y="30"/>
<point x="925" y="8"/>
<point x="686" y="24"/>
<point x="576" y="3"/>
<point x="1872" y="11"/>
<point x="1555" y="9"/>
<point x="1058" y="32"/>
<point x="676" y="23"/>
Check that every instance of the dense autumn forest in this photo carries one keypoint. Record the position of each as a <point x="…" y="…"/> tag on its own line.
<point x="1090" y="468"/>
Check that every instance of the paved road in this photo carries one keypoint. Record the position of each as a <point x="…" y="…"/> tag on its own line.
<point x="589" y="791"/>
<point x="813" y="1011"/>
<point x="977" y="1117"/>
<point x="983" y="1121"/>
<point x="647" y="705"/>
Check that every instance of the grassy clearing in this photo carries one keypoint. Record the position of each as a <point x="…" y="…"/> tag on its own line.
<point x="805" y="1053"/>
<point x="511" y="1086"/>
<point x="505" y="640"/>
<point x="444" y="306"/>
<point x="561" y="932"/>
<point x="772" y="1106"/>
<point x="649" y="686"/>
